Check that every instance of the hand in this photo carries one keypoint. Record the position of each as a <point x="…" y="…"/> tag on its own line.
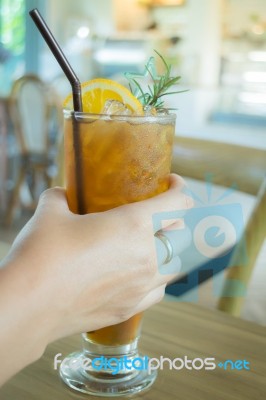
<point x="68" y="273"/>
<point x="95" y="270"/>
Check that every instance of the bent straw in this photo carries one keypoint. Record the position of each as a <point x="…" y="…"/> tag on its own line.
<point x="76" y="91"/>
<point x="60" y="57"/>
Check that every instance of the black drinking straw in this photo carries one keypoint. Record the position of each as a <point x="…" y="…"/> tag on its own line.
<point x="76" y="91"/>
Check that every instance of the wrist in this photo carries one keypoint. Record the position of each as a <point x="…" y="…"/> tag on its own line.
<point x="25" y="321"/>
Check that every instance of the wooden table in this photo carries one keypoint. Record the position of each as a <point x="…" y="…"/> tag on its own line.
<point x="173" y="330"/>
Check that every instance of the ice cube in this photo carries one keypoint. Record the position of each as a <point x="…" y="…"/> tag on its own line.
<point x="149" y="111"/>
<point x="114" y="107"/>
<point x="163" y="111"/>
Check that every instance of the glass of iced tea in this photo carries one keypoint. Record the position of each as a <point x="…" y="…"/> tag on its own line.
<point x="111" y="160"/>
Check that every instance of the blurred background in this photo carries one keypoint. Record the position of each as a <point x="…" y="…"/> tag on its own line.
<point x="217" y="46"/>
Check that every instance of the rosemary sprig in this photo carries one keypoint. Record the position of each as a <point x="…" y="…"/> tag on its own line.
<point x="160" y="87"/>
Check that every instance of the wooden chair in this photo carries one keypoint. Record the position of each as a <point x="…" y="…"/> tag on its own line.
<point x="253" y="239"/>
<point x="229" y="165"/>
<point x="31" y="105"/>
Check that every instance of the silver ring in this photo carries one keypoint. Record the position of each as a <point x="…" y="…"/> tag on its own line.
<point x="164" y="239"/>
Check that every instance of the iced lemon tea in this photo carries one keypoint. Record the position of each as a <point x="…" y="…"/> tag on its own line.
<point x="123" y="159"/>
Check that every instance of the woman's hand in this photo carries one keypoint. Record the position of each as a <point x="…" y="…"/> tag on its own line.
<point x="72" y="273"/>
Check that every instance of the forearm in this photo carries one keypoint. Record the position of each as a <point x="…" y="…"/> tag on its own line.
<point x="23" y="332"/>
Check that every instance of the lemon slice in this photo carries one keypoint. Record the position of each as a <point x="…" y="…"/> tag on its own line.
<point x="97" y="92"/>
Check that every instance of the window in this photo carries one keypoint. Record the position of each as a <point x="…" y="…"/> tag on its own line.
<point x="12" y="25"/>
<point x="12" y="41"/>
<point x="19" y="43"/>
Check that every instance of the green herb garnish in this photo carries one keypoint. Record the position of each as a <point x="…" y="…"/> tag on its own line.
<point x="160" y="88"/>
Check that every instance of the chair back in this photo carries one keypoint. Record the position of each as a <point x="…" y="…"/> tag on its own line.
<point x="29" y="109"/>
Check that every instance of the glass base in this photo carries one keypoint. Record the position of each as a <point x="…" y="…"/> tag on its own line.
<point x="107" y="371"/>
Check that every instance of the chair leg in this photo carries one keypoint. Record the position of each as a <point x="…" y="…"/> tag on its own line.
<point x="49" y="180"/>
<point x="239" y="275"/>
<point x="15" y="197"/>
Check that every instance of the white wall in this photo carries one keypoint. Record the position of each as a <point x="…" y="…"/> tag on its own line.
<point x="204" y="39"/>
<point x="199" y="24"/>
<point x="64" y="16"/>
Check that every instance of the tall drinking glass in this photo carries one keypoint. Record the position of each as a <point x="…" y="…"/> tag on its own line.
<point x="113" y="160"/>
